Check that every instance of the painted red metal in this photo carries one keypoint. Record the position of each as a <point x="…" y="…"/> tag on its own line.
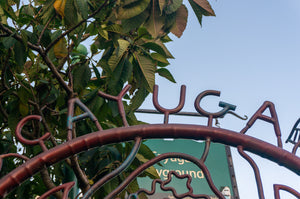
<point x="23" y="140"/>
<point x="199" y="163"/>
<point x="166" y="111"/>
<point x="66" y="187"/>
<point x="278" y="187"/>
<point x="208" y="133"/>
<point x="196" y="132"/>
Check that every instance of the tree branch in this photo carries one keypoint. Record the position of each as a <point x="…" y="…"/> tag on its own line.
<point x="5" y="115"/>
<point x="19" y="38"/>
<point x="81" y="177"/>
<point x="5" y="87"/>
<point x="44" y="56"/>
<point x="44" y="29"/>
<point x="76" y="26"/>
<point x="49" y="184"/>
<point x="83" y="181"/>
<point x="56" y="73"/>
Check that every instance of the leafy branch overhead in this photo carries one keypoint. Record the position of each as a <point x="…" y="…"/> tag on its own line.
<point x="54" y="50"/>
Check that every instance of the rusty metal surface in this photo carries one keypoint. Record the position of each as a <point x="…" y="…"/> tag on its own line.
<point x="239" y="140"/>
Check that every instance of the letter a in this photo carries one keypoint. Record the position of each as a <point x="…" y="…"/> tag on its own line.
<point x="273" y="120"/>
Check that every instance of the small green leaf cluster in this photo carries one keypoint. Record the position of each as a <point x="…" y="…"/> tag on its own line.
<point x="54" y="50"/>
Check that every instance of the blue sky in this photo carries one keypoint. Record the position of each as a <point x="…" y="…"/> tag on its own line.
<point x="251" y="53"/>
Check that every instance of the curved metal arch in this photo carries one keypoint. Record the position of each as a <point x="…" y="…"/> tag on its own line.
<point x="196" y="132"/>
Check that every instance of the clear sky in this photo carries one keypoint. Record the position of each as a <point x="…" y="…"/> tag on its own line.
<point x="251" y="53"/>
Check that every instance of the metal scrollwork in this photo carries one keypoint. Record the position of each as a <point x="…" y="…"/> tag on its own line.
<point x="74" y="145"/>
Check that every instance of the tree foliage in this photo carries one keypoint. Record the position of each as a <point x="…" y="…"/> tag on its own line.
<point x="54" y="50"/>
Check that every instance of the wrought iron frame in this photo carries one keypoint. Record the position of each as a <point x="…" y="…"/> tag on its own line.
<point x="239" y="140"/>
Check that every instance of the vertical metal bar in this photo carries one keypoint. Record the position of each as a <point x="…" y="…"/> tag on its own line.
<point x="232" y="173"/>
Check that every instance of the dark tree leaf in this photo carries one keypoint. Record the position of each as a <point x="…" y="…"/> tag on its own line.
<point x="132" y="9"/>
<point x="135" y="22"/>
<point x="81" y="76"/>
<point x="138" y="98"/>
<point x="205" y="5"/>
<point x="156" y="21"/>
<point x="201" y="7"/>
<point x="82" y="7"/>
<point x="181" y="21"/>
<point x="148" y="69"/>
<point x="20" y="55"/>
<point x="166" y="73"/>
<point x="172" y="6"/>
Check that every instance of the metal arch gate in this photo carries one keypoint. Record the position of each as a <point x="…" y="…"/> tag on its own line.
<point x="137" y="133"/>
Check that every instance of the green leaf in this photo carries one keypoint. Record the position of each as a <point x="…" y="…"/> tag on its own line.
<point x="80" y="50"/>
<point x="23" y="109"/>
<point x="159" y="47"/>
<point x="8" y="10"/>
<point x="60" y="48"/>
<point x="13" y="119"/>
<point x="81" y="76"/>
<point x="95" y="102"/>
<point x="181" y="21"/>
<point x="53" y="95"/>
<point x="103" y="33"/>
<point x="146" y="151"/>
<point x="96" y="72"/>
<point x="162" y="4"/>
<point x="155" y="47"/>
<point x="206" y="7"/>
<point x="133" y="187"/>
<point x="120" y="75"/>
<point x="159" y="58"/>
<point x="118" y="53"/>
<point x="148" y="69"/>
<point x="172" y="6"/>
<point x="152" y="173"/>
<point x="24" y="35"/>
<point x="156" y="21"/>
<point x="48" y="11"/>
<point x="56" y="34"/>
<point x="201" y="7"/>
<point x="3" y="18"/>
<point x="134" y="22"/>
<point x="168" y="54"/>
<point x="92" y="29"/>
<point x="138" y="98"/>
<point x="94" y="49"/>
<point x="143" y="34"/>
<point x="20" y="55"/>
<point x="166" y="39"/>
<point x="150" y="170"/>
<point x="27" y="10"/>
<point x="133" y="9"/>
<point x="114" y="28"/>
<point x="71" y="18"/>
<point x="128" y="2"/>
<point x="82" y="7"/>
<point x="8" y="42"/>
<point x="24" y="95"/>
<point x="166" y="73"/>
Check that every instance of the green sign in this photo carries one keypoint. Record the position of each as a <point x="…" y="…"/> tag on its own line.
<point x="216" y="163"/>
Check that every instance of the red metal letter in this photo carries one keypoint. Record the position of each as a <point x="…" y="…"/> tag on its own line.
<point x="273" y="120"/>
